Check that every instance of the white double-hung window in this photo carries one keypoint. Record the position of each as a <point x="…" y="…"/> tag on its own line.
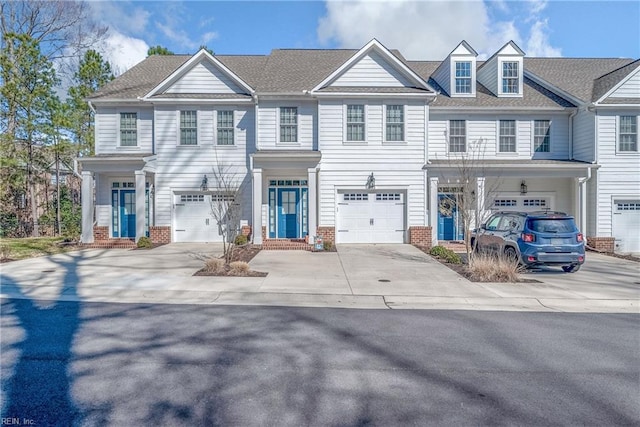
<point x="457" y="136"/>
<point x="395" y="123"/>
<point x="628" y="133"/>
<point x="463" y="77"/>
<point x="355" y="122"/>
<point x="507" y="136"/>
<point x="542" y="136"/>
<point x="510" y="77"/>
<point x="225" y="127"/>
<point x="189" y="127"/>
<point x="128" y="129"/>
<point x="288" y="124"/>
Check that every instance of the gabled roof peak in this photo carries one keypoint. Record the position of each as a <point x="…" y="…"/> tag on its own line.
<point x="466" y="46"/>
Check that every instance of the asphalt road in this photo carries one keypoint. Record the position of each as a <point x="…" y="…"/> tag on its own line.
<point x="100" y="364"/>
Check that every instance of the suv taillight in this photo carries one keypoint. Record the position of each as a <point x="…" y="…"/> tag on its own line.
<point x="526" y="237"/>
<point x="579" y="237"/>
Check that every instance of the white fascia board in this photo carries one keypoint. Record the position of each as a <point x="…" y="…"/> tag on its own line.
<point x="372" y="95"/>
<point x="122" y="101"/>
<point x="599" y="105"/>
<point x="200" y="101"/>
<point x="553" y="88"/>
<point x="533" y="110"/>
<point x="187" y="66"/>
<point x="374" y="45"/>
<point x="515" y="165"/>
<point x="620" y="83"/>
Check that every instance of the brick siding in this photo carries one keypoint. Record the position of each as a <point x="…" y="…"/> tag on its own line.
<point x="420" y="236"/>
<point x="159" y="234"/>
<point x="328" y="234"/>
<point x="100" y="232"/>
<point x="603" y="244"/>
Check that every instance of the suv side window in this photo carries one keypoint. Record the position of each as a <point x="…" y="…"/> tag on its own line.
<point x="511" y="223"/>
<point x="492" y="224"/>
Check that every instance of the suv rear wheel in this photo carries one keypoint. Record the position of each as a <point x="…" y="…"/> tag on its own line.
<point x="571" y="268"/>
<point x="510" y="254"/>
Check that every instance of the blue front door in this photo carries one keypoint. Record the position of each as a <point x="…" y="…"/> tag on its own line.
<point x="128" y="213"/>
<point x="288" y="224"/>
<point x="447" y="217"/>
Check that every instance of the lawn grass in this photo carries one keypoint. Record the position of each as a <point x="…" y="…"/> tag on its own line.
<point x="30" y="247"/>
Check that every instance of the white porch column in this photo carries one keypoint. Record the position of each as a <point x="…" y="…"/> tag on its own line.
<point x="582" y="204"/>
<point x="433" y="209"/>
<point x="257" y="207"/>
<point x="140" y="204"/>
<point x="480" y="201"/>
<point x="87" y="207"/>
<point x="312" y="197"/>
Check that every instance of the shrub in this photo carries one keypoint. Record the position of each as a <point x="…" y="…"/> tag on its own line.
<point x="488" y="268"/>
<point x="145" y="242"/>
<point x="241" y="239"/>
<point x="327" y="245"/>
<point x="239" y="268"/>
<point x="5" y="251"/>
<point x="214" y="265"/>
<point x="446" y="254"/>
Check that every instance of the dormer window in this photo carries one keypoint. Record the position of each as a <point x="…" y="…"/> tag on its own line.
<point x="510" y="77"/>
<point x="463" y="77"/>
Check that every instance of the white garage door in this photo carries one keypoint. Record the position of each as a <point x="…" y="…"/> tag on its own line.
<point x="626" y="225"/>
<point x="521" y="203"/>
<point x="193" y="221"/>
<point x="370" y="217"/>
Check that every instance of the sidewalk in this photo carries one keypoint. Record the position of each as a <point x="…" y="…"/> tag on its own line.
<point x="358" y="276"/>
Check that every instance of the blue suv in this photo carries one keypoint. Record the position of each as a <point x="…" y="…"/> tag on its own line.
<point x="533" y="238"/>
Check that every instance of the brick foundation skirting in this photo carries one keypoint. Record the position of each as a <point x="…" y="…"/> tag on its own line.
<point x="604" y="244"/>
<point x="160" y="234"/>
<point x="420" y="236"/>
<point x="100" y="232"/>
<point x="328" y="234"/>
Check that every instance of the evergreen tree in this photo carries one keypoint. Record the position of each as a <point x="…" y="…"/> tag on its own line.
<point x="93" y="73"/>
<point x="158" y="50"/>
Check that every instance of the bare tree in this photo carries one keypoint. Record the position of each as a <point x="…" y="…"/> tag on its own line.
<point x="472" y="208"/>
<point x="226" y="204"/>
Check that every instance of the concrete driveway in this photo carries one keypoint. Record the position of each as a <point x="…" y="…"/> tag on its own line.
<point x="364" y="276"/>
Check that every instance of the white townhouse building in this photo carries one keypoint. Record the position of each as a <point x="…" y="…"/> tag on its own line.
<point x="363" y="146"/>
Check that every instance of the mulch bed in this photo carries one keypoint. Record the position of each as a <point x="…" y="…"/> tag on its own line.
<point x="240" y="253"/>
<point x="462" y="269"/>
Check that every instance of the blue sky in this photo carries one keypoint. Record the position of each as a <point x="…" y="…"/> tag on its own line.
<point x="419" y="29"/>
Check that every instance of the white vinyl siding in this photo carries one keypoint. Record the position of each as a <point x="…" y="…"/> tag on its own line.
<point x="356" y="123"/>
<point x="542" y="136"/>
<point x="347" y="166"/>
<point x="225" y="127"/>
<point x="107" y="129"/>
<point x="269" y="125"/>
<point x="457" y="136"/>
<point x="584" y="136"/>
<point x="630" y="88"/>
<point x="289" y="124"/>
<point x="205" y="77"/>
<point x="372" y="70"/>
<point x="617" y="177"/>
<point x="394" y="123"/>
<point x="128" y="129"/>
<point x="628" y="133"/>
<point x="189" y="127"/>
<point x="508" y="136"/>
<point x="179" y="169"/>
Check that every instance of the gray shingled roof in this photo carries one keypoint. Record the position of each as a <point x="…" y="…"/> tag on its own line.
<point x="296" y="70"/>
<point x="202" y="96"/>
<point x="141" y="78"/>
<point x="605" y="83"/>
<point x="372" y="89"/>
<point x="574" y="75"/>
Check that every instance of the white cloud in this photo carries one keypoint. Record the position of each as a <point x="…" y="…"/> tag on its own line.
<point x="122" y="51"/>
<point x="538" y="42"/>
<point x="429" y="29"/>
<point x="121" y="16"/>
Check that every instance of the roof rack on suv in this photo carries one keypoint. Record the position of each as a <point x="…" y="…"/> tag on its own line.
<point x="548" y="213"/>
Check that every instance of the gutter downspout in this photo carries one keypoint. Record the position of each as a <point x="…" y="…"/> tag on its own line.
<point x="583" y="203"/>
<point x="571" y="116"/>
